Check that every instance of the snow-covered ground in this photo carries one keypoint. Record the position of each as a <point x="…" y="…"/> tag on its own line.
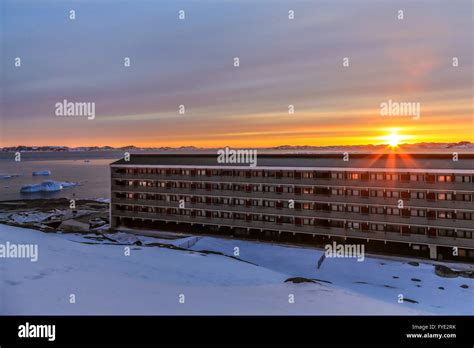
<point x="150" y="281"/>
<point x="381" y="278"/>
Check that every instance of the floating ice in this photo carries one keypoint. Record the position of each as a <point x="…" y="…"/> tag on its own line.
<point x="8" y="176"/>
<point x="47" y="186"/>
<point x="67" y="184"/>
<point x="42" y="173"/>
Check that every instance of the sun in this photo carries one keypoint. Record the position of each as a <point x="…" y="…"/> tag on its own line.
<point x="393" y="139"/>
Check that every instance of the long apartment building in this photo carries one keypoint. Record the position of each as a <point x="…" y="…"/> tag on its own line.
<point x="418" y="204"/>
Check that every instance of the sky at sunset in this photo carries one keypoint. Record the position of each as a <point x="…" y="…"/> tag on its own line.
<point x="190" y="62"/>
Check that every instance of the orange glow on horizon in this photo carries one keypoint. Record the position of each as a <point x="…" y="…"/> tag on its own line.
<point x="261" y="136"/>
<point x="393" y="139"/>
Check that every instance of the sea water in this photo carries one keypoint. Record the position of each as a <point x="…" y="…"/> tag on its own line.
<point x="90" y="170"/>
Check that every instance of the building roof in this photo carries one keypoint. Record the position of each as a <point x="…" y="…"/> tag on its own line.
<point x="421" y="161"/>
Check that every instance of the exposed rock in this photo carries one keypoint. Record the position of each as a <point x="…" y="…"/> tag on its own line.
<point x="298" y="280"/>
<point x="446" y="272"/>
<point x="409" y="300"/>
<point x="74" y="226"/>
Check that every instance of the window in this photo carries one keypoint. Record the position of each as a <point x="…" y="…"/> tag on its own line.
<point x="268" y="188"/>
<point x="464" y="215"/>
<point x="445" y="233"/>
<point x="353" y="176"/>
<point x="353" y="209"/>
<point x="463" y="178"/>
<point x="268" y="218"/>
<point x="353" y="225"/>
<point x="444" y="178"/>
<point x="393" y="211"/>
<point x="417" y="195"/>
<point x="377" y="227"/>
<point x="352" y="192"/>
<point x="463" y="197"/>
<point x="417" y="212"/>
<point x="376" y="176"/>
<point x="392" y="194"/>
<point x="416" y="177"/>
<point x="417" y="230"/>
<point x="445" y="215"/>
<point x="392" y="177"/>
<point x="445" y="196"/>
<point x="464" y="234"/>
<point x="392" y="228"/>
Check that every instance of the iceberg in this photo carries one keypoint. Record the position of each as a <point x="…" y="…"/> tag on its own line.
<point x="47" y="186"/>
<point x="42" y="173"/>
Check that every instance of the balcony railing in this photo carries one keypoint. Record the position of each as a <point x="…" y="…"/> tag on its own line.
<point x="423" y="185"/>
<point x="304" y="229"/>
<point x="393" y="202"/>
<point x="306" y="213"/>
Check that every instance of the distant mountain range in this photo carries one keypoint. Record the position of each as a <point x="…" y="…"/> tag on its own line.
<point x="463" y="145"/>
<point x="86" y="148"/>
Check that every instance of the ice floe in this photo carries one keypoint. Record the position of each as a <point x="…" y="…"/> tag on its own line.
<point x="42" y="173"/>
<point x="8" y="176"/>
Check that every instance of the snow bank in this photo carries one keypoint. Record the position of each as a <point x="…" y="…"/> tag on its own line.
<point x="29" y="217"/>
<point x="102" y="200"/>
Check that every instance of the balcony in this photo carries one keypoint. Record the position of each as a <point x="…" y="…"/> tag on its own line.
<point x="409" y="203"/>
<point x="302" y="181"/>
<point x="305" y="229"/>
<point x="303" y="213"/>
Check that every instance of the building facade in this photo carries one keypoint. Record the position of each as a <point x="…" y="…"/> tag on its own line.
<point x="421" y="204"/>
